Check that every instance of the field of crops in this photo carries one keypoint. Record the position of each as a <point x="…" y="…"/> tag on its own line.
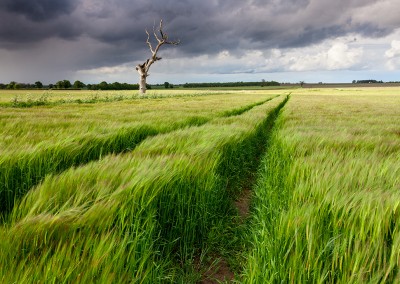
<point x="109" y="187"/>
<point x="327" y="203"/>
<point x="40" y="140"/>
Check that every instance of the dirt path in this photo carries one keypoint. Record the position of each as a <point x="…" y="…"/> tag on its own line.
<point x="219" y="271"/>
<point x="243" y="204"/>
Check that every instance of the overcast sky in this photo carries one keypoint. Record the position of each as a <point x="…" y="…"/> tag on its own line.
<point x="235" y="40"/>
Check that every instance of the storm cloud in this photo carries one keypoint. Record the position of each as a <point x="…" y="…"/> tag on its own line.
<point x="206" y="27"/>
<point x="40" y="10"/>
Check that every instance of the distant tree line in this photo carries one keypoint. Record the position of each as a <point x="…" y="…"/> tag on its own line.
<point x="15" y="85"/>
<point x="366" y="81"/>
<point x="231" y="84"/>
<point x="66" y="84"/>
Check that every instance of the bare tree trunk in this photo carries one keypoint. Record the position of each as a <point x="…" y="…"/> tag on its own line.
<point x="143" y="69"/>
<point x="142" y="85"/>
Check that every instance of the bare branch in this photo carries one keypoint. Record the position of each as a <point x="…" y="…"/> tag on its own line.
<point x="148" y="42"/>
<point x="164" y="37"/>
<point x="156" y="36"/>
<point x="173" y="42"/>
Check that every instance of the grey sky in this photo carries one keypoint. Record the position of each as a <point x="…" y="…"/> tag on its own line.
<point x="284" y="40"/>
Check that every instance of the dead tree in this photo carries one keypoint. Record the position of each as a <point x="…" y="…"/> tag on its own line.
<point x="143" y="69"/>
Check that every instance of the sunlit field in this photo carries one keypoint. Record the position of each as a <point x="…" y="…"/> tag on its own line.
<point x="23" y="98"/>
<point x="111" y="187"/>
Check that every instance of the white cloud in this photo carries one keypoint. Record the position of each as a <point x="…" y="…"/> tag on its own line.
<point x="340" y="56"/>
<point x="394" y="51"/>
<point x="223" y="54"/>
<point x="336" y="57"/>
<point x="222" y="63"/>
<point x="119" y="73"/>
<point x="107" y="70"/>
<point x="393" y="55"/>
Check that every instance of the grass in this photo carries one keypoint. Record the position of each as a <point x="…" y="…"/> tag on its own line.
<point x="32" y="98"/>
<point x="326" y="208"/>
<point x="32" y="151"/>
<point x="135" y="217"/>
<point x="26" y="128"/>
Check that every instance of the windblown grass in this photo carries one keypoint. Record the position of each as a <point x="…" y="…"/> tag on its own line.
<point x="326" y="208"/>
<point x="133" y="217"/>
<point x="25" y="128"/>
<point x="92" y="133"/>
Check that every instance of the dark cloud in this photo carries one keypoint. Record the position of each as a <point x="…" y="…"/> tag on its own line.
<point x="23" y="23"/>
<point x="312" y="35"/>
<point x="40" y="10"/>
<point x="206" y="26"/>
<point x="370" y="30"/>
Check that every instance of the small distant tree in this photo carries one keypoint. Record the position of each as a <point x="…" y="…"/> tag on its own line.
<point x="11" y="85"/>
<point x="67" y="84"/>
<point x="143" y="69"/>
<point x="262" y="82"/>
<point x="38" y="85"/>
<point x="78" y="85"/>
<point x="64" y="84"/>
<point x="301" y="83"/>
<point x="116" y="86"/>
<point x="166" y="85"/>
<point x="103" y="85"/>
<point x="59" y="85"/>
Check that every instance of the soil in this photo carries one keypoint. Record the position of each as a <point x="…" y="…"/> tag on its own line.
<point x="243" y="203"/>
<point x="219" y="273"/>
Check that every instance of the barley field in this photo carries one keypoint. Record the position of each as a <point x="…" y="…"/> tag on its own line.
<point x="326" y="205"/>
<point x="110" y="187"/>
